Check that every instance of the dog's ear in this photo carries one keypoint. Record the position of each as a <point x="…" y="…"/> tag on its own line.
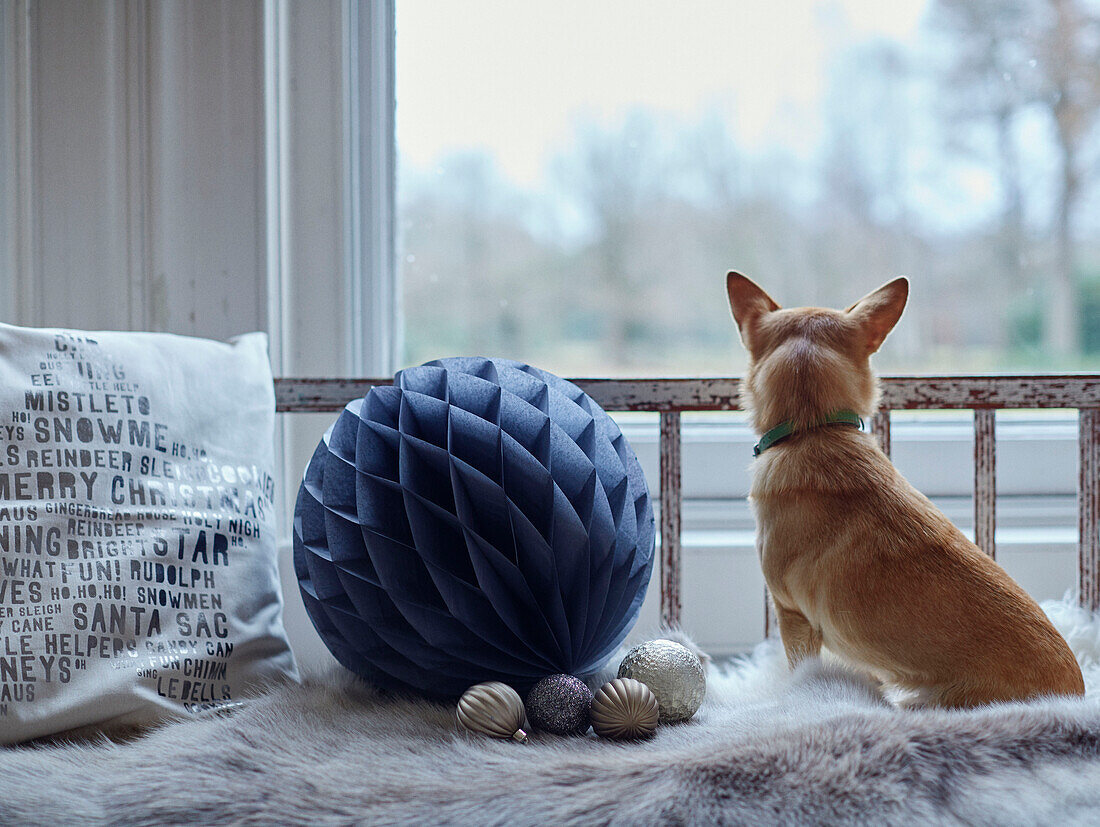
<point x="748" y="302"/>
<point x="879" y="311"/>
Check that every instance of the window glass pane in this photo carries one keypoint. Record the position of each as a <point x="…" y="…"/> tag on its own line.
<point x="576" y="178"/>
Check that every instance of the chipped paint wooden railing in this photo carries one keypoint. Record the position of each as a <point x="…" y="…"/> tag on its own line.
<point x="669" y="397"/>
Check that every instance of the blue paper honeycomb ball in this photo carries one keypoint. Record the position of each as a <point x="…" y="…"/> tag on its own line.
<point x="479" y="520"/>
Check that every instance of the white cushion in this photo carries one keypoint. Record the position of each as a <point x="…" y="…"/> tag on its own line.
<point x="138" y="576"/>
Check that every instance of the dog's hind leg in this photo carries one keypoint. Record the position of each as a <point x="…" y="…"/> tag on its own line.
<point x="800" y="639"/>
<point x="958" y="695"/>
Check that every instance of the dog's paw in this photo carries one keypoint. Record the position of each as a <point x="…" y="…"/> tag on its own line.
<point x="844" y="684"/>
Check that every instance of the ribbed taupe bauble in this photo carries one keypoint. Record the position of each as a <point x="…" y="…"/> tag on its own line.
<point x="494" y="709"/>
<point x="559" y="704"/>
<point x="624" y="708"/>
<point x="672" y="672"/>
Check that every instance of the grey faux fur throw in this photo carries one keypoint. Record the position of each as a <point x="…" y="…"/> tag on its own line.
<point x="817" y="747"/>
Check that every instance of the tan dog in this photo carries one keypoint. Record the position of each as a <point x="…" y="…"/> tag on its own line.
<point x="856" y="558"/>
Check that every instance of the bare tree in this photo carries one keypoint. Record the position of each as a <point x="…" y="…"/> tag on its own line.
<point x="609" y="174"/>
<point x="1043" y="55"/>
<point x="1070" y="44"/>
<point x="465" y="277"/>
<point x="983" y="89"/>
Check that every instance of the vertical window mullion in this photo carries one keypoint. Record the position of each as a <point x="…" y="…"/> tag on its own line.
<point x="369" y="198"/>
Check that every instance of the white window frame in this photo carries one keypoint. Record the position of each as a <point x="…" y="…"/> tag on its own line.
<point x="367" y="160"/>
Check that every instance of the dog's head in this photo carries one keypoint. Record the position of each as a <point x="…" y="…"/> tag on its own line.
<point x="806" y="362"/>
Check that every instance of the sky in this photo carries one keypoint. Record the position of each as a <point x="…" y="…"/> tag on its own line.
<point x="513" y="77"/>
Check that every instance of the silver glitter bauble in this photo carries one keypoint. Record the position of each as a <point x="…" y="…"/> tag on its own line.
<point x="672" y="672"/>
<point x="624" y="708"/>
<point x="559" y="704"/>
<point x="494" y="709"/>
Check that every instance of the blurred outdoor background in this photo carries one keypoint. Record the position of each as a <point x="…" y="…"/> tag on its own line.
<point x="576" y="178"/>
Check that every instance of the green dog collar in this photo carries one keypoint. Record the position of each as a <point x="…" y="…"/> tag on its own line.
<point x="785" y="429"/>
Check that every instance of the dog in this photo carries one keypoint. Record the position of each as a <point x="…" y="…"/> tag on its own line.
<point x="855" y="558"/>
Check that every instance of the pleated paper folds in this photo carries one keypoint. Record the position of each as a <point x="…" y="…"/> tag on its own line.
<point x="479" y="520"/>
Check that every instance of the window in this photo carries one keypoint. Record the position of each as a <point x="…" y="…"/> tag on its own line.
<point x="575" y="180"/>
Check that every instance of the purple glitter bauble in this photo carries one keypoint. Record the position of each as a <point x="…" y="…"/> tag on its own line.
<point x="559" y="704"/>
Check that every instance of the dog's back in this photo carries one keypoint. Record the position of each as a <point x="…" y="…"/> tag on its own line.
<point x="856" y="558"/>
